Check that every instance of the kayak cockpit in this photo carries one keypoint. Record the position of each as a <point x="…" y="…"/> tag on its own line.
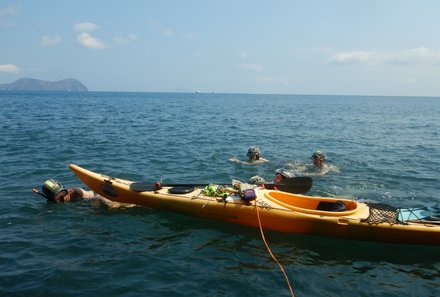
<point x="313" y="205"/>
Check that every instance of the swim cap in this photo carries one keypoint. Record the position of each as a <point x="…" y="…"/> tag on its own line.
<point x="52" y="188"/>
<point x="318" y="155"/>
<point x="284" y="173"/>
<point x="253" y="151"/>
<point x="256" y="180"/>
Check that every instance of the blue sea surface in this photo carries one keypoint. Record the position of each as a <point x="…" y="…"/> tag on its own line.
<point x="386" y="149"/>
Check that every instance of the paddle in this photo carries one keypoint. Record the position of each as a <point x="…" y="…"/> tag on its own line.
<point x="296" y="185"/>
<point x="145" y="187"/>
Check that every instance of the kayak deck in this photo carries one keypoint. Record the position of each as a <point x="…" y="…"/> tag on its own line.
<point x="279" y="211"/>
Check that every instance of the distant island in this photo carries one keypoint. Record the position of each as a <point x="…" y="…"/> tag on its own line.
<point x="30" y="84"/>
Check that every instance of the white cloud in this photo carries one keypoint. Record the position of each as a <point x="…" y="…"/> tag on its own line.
<point x="124" y="40"/>
<point x="50" y="40"/>
<point x="86" y="40"/>
<point x="9" y="68"/>
<point x="85" y="27"/>
<point x="243" y="55"/>
<point x="252" y="67"/>
<point x="421" y="55"/>
<point x="354" y="57"/>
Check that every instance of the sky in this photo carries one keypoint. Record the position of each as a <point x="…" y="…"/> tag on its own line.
<point x="328" y="47"/>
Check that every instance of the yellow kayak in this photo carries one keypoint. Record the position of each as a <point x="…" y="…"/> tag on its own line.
<point x="278" y="211"/>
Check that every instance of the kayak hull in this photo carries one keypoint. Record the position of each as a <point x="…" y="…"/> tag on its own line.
<point x="278" y="211"/>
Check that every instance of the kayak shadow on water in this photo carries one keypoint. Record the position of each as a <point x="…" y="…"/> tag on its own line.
<point x="312" y="250"/>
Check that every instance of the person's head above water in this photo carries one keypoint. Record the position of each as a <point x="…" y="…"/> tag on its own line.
<point x="54" y="191"/>
<point x="52" y="188"/>
<point x="256" y="180"/>
<point x="318" y="158"/>
<point x="253" y="153"/>
<point x="281" y="174"/>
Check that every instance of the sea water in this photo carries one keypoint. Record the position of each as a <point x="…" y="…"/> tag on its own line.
<point x="385" y="149"/>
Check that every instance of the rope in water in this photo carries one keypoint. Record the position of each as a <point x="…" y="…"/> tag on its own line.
<point x="270" y="251"/>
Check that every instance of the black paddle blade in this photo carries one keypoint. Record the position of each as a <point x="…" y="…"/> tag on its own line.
<point x="296" y="185"/>
<point x="146" y="187"/>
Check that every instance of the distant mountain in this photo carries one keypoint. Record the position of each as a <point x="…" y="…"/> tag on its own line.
<point x="30" y="84"/>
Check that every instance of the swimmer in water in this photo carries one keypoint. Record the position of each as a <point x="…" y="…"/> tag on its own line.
<point x="318" y="159"/>
<point x="318" y="167"/>
<point x="254" y="157"/>
<point x="55" y="192"/>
